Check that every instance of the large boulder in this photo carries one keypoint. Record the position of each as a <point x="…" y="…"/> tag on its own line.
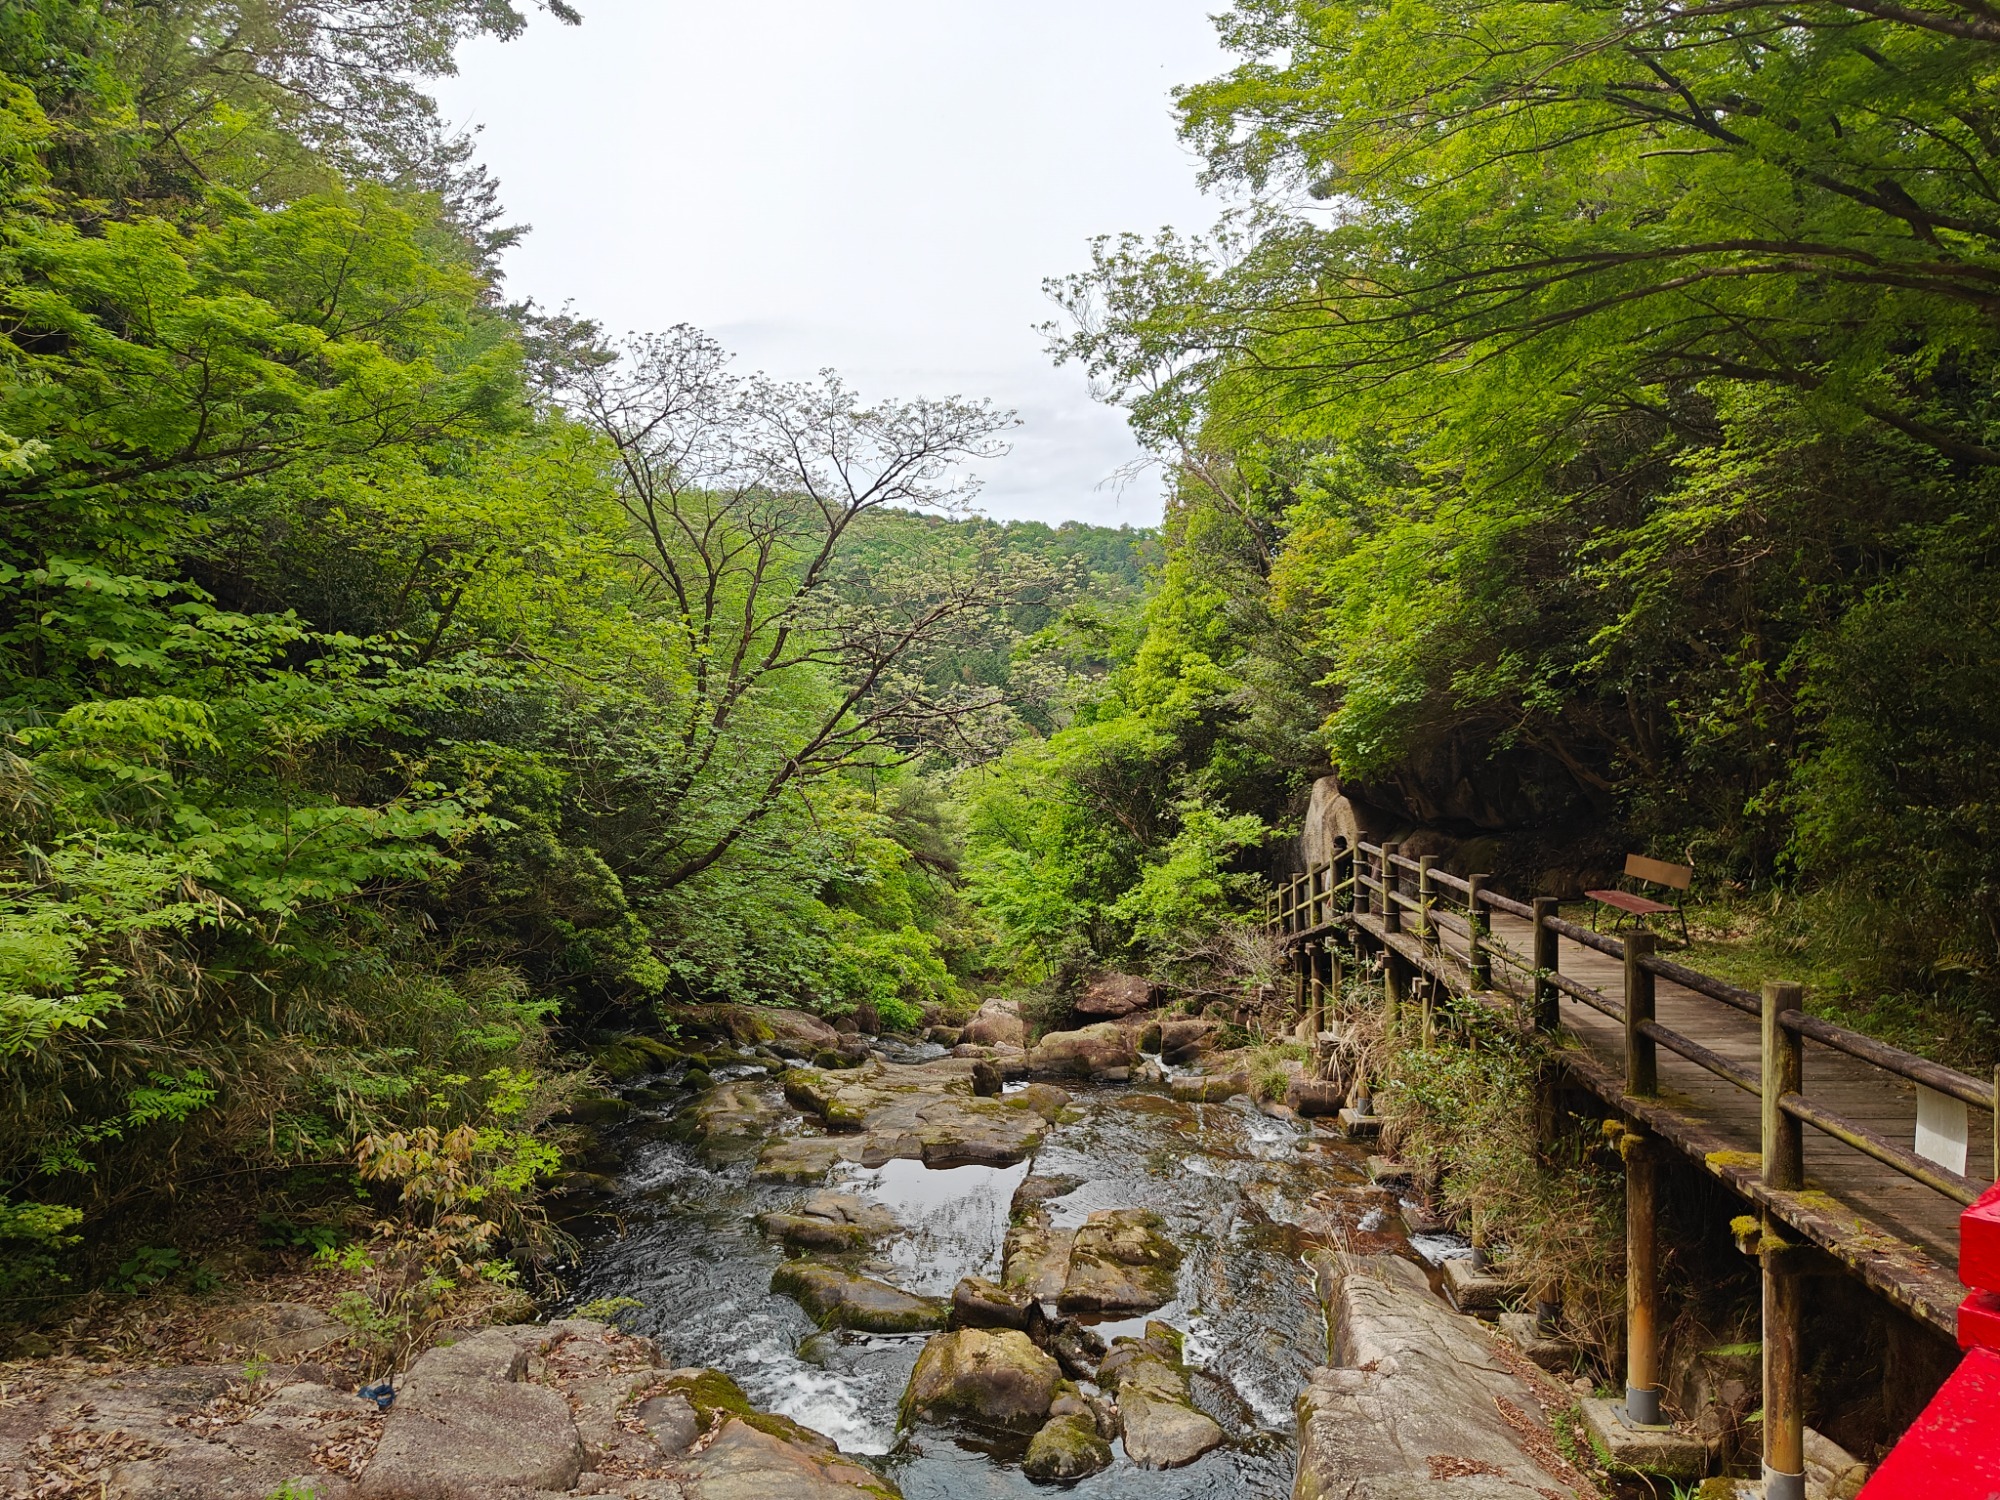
<point x="838" y="1299"/>
<point x="1163" y="1427"/>
<point x="467" y="1424"/>
<point x="1416" y="1390"/>
<point x="997" y="1023"/>
<point x="1091" y="1051"/>
<point x="985" y="1378"/>
<point x="1113" y="997"/>
<point x="1120" y="1261"/>
<point x="922" y="1111"/>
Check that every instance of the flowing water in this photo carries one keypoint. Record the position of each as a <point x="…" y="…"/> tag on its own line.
<point x="1246" y="1197"/>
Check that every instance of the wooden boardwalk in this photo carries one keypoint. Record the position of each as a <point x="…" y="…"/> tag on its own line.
<point x="1898" y="1235"/>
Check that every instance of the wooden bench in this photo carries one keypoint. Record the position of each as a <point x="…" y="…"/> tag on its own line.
<point x="1658" y="872"/>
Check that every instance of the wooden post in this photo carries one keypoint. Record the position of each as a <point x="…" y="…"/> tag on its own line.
<point x="1784" y="1073"/>
<point x="1547" y="956"/>
<point x="1784" y="1412"/>
<point x="1642" y="1282"/>
<point x="1316" y="1002"/>
<point x="1343" y="856"/>
<point x="1477" y="955"/>
<point x="1426" y="894"/>
<point x="1300" y="983"/>
<point x="1642" y="1063"/>
<point x="1996" y="1122"/>
<point x="1392" y="914"/>
<point x="1392" y="990"/>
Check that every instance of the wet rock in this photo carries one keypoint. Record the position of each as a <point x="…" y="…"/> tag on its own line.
<point x="924" y="1111"/>
<point x="803" y="1158"/>
<point x="633" y="1057"/>
<point x="979" y="1303"/>
<point x="1413" y="1384"/>
<point x="1120" y="1261"/>
<point x="1101" y="1413"/>
<point x="1182" y="1042"/>
<point x="1112" y="997"/>
<point x="1037" y="1189"/>
<point x="1089" y="1051"/>
<point x="836" y="1298"/>
<point x="986" y="1079"/>
<point x="944" y="1036"/>
<point x="987" y="1378"/>
<point x="729" y="1122"/>
<point x="996" y="1023"/>
<point x="1163" y="1427"/>
<point x="466" y="1424"/>
<point x="1066" y="1447"/>
<point x="1035" y="1257"/>
<point x="1076" y="1348"/>
<point x="837" y="1222"/>
<point x="1204" y="1090"/>
<point x="594" y="1107"/>
<point x="1149" y="1037"/>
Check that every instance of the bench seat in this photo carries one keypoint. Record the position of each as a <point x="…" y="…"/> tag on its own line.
<point x="1638" y="906"/>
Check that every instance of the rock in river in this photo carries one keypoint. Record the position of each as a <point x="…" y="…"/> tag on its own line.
<point x="990" y="1378"/>
<point x="1092" y="1051"/>
<point x="1119" y="1262"/>
<point x="997" y="1024"/>
<point x="836" y="1298"/>
<point x="837" y="1222"/>
<point x="1163" y="1427"/>
<point x="1066" y="1448"/>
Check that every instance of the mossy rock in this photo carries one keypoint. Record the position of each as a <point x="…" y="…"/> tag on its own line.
<point x="834" y="1298"/>
<point x="696" y="1078"/>
<point x="1066" y="1448"/>
<point x="595" y="1108"/>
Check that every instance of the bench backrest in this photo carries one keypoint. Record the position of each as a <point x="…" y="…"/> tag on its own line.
<point x="1679" y="877"/>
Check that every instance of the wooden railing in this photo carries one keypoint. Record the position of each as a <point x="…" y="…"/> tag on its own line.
<point x="1414" y="897"/>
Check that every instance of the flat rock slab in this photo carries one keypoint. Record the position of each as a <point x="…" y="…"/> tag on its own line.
<point x="1120" y="1261"/>
<point x="1418" y="1395"/>
<point x="1163" y="1429"/>
<point x="924" y="1112"/>
<point x="744" y="1463"/>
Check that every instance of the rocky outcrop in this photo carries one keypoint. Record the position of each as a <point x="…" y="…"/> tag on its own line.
<point x="834" y="1298"/>
<point x="923" y="1111"/>
<point x="467" y="1422"/>
<point x="1120" y="1261"/>
<point x="1035" y="1256"/>
<point x="1113" y="997"/>
<point x="534" y="1412"/>
<point x="1415" y="1392"/>
<point x="1163" y="1427"/>
<point x="993" y="1379"/>
<point x="997" y="1023"/>
<point x="1105" y="1050"/>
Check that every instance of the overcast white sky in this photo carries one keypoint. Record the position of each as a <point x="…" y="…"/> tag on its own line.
<point x="878" y="186"/>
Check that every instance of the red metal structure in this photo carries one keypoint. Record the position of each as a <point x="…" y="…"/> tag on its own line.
<point x="1952" y="1452"/>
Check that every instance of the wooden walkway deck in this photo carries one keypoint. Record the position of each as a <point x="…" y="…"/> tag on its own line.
<point x="1896" y="1234"/>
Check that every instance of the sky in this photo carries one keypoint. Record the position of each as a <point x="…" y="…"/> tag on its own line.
<point x="873" y="186"/>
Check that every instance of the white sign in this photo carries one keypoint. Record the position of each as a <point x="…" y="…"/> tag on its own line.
<point x="1941" y="1129"/>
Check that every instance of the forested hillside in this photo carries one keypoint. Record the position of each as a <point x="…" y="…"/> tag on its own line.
<point x="1582" y="439"/>
<point x="403" y="690"/>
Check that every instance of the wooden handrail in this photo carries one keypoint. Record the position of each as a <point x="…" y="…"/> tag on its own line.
<point x="1868" y="1143"/>
<point x="1507" y="904"/>
<point x="1580" y="934"/>
<point x="1694" y="1052"/>
<point x="1891" y="1059"/>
